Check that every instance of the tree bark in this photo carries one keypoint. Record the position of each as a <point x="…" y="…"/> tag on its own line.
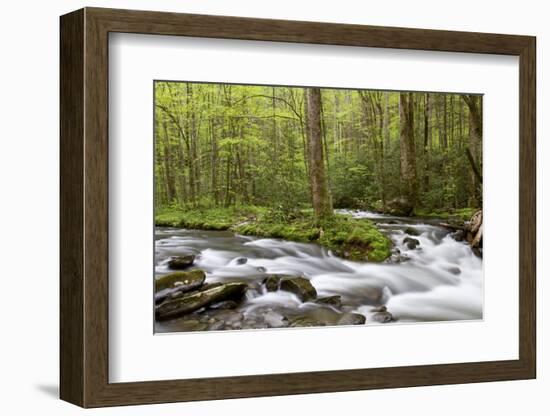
<point x="427" y="140"/>
<point x="320" y="195"/>
<point x="474" y="107"/>
<point x="407" y="148"/>
<point x="170" y="183"/>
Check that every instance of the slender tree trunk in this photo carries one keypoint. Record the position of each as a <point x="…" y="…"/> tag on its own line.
<point x="214" y="162"/>
<point x="475" y="123"/>
<point x="427" y="141"/>
<point x="407" y="148"/>
<point x="319" y="186"/>
<point x="170" y="183"/>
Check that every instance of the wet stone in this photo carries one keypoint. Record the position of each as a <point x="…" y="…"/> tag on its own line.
<point x="411" y="243"/>
<point x="304" y="321"/>
<point x="300" y="286"/>
<point x="412" y="231"/>
<point x="201" y="298"/>
<point x="271" y="283"/>
<point x="216" y="326"/>
<point x="181" y="262"/>
<point x="351" y="319"/>
<point x="183" y="281"/>
<point x="382" y="317"/>
<point x="226" y="304"/>
<point x="192" y="325"/>
<point x="335" y="301"/>
<point x="454" y="270"/>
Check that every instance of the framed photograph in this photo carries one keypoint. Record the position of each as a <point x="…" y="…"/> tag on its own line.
<point x="255" y="207"/>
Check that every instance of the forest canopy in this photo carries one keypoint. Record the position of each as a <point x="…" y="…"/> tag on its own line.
<point x="292" y="148"/>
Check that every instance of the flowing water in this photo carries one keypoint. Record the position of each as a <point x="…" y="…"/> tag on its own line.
<point x="439" y="280"/>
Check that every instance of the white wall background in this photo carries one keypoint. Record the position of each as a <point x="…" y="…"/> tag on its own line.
<point x="29" y="208"/>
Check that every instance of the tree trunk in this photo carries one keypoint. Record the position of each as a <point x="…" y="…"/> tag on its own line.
<point x="427" y="141"/>
<point x="407" y="149"/>
<point x="475" y="140"/>
<point x="170" y="183"/>
<point x="319" y="186"/>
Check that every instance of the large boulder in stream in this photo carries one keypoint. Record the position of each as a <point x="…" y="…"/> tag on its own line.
<point x="207" y="295"/>
<point x="400" y="207"/>
<point x="181" y="262"/>
<point x="300" y="286"/>
<point x="184" y="281"/>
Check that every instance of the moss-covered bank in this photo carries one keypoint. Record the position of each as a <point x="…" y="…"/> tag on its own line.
<point x="354" y="239"/>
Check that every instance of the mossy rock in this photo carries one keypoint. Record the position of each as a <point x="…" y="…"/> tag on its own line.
<point x="184" y="281"/>
<point x="305" y="321"/>
<point x="205" y="296"/>
<point x="412" y="231"/>
<point x="271" y="282"/>
<point x="401" y="207"/>
<point x="335" y="301"/>
<point x="181" y="262"/>
<point x="352" y="319"/>
<point x="382" y="317"/>
<point x="300" y="286"/>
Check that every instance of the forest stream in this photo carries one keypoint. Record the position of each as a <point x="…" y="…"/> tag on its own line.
<point x="429" y="277"/>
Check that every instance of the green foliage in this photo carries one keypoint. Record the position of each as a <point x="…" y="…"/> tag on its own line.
<point x="350" y="238"/>
<point x="355" y="239"/>
<point x="346" y="237"/>
<point x="238" y="144"/>
<point x="463" y="214"/>
<point x="206" y="218"/>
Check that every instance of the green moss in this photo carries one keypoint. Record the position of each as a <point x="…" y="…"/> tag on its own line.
<point x="346" y="237"/>
<point x="206" y="218"/>
<point x="354" y="239"/>
<point x="462" y="213"/>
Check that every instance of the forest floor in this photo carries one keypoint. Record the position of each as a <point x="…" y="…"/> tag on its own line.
<point x="354" y="239"/>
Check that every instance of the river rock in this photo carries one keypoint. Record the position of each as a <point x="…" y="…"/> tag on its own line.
<point x="411" y="243"/>
<point x="400" y="207"/>
<point x="184" y="281"/>
<point x="187" y="325"/>
<point x="200" y="298"/>
<point x="458" y="235"/>
<point x="240" y="260"/>
<point x="300" y="286"/>
<point x="181" y="262"/>
<point x="335" y="301"/>
<point x="216" y="326"/>
<point x="271" y="282"/>
<point x="454" y="270"/>
<point x="351" y="319"/>
<point x="226" y="304"/>
<point x="227" y="316"/>
<point x="382" y="317"/>
<point x="304" y="321"/>
<point x="412" y="231"/>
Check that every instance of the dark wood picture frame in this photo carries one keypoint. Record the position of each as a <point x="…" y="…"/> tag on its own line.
<point x="84" y="207"/>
